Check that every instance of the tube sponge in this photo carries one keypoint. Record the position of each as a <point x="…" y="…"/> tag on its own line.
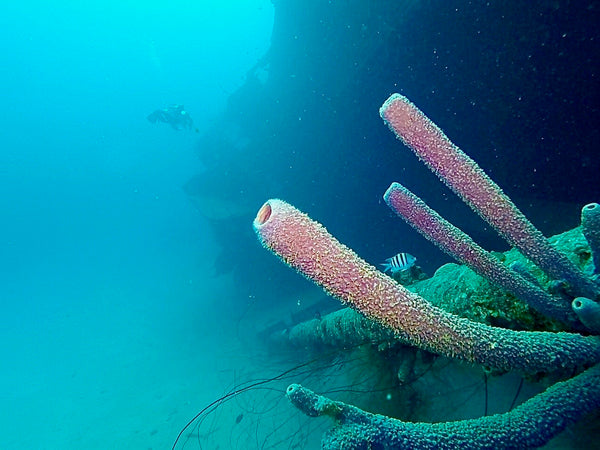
<point x="305" y="245"/>
<point x="590" y="225"/>
<point x="530" y="425"/>
<point x="461" y="247"/>
<point x="588" y="312"/>
<point x="464" y="176"/>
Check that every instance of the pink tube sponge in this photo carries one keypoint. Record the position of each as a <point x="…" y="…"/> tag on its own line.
<point x="460" y="246"/>
<point x="464" y="176"/>
<point x="305" y="245"/>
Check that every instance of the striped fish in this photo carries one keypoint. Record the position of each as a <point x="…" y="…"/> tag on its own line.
<point x="399" y="263"/>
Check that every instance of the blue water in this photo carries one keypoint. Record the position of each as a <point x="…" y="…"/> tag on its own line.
<point x="106" y="268"/>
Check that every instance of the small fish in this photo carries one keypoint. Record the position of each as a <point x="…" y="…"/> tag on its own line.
<point x="399" y="263"/>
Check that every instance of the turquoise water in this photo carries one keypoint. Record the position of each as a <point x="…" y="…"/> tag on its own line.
<point x="109" y="299"/>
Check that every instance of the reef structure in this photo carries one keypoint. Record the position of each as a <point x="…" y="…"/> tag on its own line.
<point x="305" y="245"/>
<point x="455" y="288"/>
<point x="529" y="425"/>
<point x="464" y="176"/>
<point x="308" y="247"/>
<point x="461" y="247"/>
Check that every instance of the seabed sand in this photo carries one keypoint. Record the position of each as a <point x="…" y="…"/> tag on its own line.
<point x="116" y="366"/>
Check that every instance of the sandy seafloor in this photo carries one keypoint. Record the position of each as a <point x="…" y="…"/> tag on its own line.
<point x="104" y="370"/>
<point x="111" y="376"/>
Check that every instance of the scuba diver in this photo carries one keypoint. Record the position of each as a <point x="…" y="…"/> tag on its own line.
<point x="174" y="115"/>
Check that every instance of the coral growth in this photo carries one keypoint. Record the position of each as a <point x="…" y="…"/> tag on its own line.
<point x="305" y="245"/>
<point x="530" y="425"/>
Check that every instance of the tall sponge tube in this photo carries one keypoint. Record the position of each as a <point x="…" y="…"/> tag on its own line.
<point x="460" y="246"/>
<point x="588" y="312"/>
<point x="307" y="246"/>
<point x="464" y="176"/>
<point x="590" y="226"/>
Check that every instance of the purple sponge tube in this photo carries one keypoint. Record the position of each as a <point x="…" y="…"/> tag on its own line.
<point x="464" y="176"/>
<point x="588" y="312"/>
<point x="460" y="246"/>
<point x="305" y="245"/>
<point x="590" y="226"/>
<point x="530" y="425"/>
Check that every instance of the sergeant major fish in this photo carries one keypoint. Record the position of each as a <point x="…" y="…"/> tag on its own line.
<point x="399" y="263"/>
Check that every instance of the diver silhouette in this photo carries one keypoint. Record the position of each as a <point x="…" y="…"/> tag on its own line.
<point x="174" y="115"/>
